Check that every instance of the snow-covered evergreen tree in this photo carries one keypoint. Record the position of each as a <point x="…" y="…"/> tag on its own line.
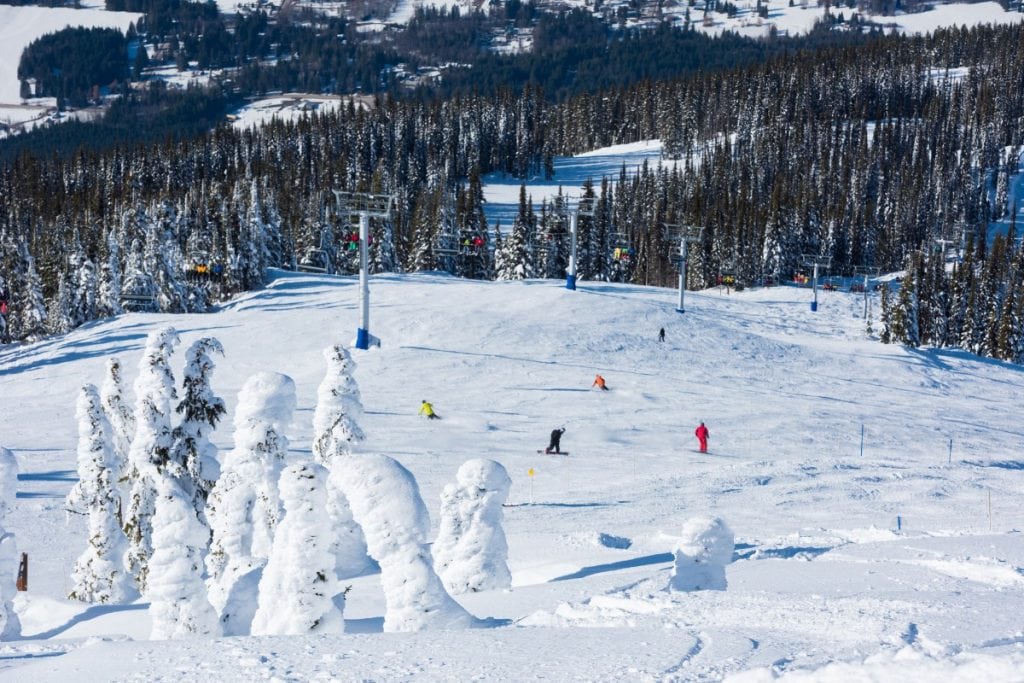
<point x="200" y="411"/>
<point x="297" y="590"/>
<point x="59" y="315"/>
<point x="150" y="447"/>
<point x="108" y="302"/>
<point x="335" y="431"/>
<point x="163" y="259"/>
<point x="244" y="506"/>
<point x="515" y="259"/>
<point x="138" y="281"/>
<point x="10" y="626"/>
<point x="86" y="290"/>
<point x="122" y="422"/>
<point x="471" y="553"/>
<point x="29" y="304"/>
<point x="387" y="505"/>
<point x="705" y="547"/>
<point x="99" y="575"/>
<point x="178" y="603"/>
<point x="338" y="408"/>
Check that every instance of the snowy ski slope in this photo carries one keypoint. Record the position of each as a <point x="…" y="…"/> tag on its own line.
<point x="886" y="564"/>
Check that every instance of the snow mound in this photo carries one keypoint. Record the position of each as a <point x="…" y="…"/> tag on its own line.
<point x="704" y="549"/>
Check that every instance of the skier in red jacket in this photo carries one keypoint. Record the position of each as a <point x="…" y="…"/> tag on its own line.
<point x="702" y="435"/>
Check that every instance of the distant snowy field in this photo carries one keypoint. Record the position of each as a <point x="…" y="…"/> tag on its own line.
<point x="904" y="563"/>
<point x="19" y="26"/>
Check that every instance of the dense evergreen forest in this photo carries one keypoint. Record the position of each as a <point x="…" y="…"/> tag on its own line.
<point x="865" y="154"/>
<point x="572" y="52"/>
<point x="72" y="64"/>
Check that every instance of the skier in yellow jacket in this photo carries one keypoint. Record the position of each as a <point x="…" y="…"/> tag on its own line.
<point x="428" y="410"/>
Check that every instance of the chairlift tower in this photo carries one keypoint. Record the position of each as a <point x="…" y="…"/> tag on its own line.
<point x="815" y="262"/>
<point x="686" y="234"/>
<point x="364" y="205"/>
<point x="868" y="272"/>
<point x="586" y="206"/>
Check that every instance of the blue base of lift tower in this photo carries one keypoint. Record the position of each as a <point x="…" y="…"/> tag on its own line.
<point x="362" y="339"/>
<point x="814" y="306"/>
<point x="570" y="282"/>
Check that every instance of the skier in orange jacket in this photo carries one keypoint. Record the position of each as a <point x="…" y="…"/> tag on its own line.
<point x="599" y="383"/>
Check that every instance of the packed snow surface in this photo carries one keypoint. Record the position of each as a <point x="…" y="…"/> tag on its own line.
<point x="873" y="492"/>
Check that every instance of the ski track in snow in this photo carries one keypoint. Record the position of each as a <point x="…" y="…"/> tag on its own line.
<point x="821" y="575"/>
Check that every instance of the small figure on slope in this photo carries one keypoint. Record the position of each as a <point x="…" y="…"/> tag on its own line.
<point x="599" y="383"/>
<point x="556" y="437"/>
<point x="661" y="334"/>
<point x="428" y="410"/>
<point x="702" y="435"/>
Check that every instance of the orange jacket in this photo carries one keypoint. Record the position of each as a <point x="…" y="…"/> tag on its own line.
<point x="598" y="381"/>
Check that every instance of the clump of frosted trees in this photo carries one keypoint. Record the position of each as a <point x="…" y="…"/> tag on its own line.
<point x="238" y="543"/>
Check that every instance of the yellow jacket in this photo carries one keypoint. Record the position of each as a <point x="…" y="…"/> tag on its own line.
<point x="426" y="409"/>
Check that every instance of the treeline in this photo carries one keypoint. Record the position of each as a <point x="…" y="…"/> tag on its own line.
<point x="977" y="305"/>
<point x="860" y="154"/>
<point x="74" y="63"/>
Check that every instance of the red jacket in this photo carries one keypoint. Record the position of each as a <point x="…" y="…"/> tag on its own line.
<point x="701" y="432"/>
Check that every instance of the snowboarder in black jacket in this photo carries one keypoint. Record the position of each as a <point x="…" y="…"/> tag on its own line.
<point x="556" y="437"/>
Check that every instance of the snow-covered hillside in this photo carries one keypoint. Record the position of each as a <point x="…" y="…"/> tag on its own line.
<point x="873" y="491"/>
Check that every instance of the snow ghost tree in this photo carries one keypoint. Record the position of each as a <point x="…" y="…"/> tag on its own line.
<point x="10" y="627"/>
<point x="99" y="575"/>
<point x="338" y="408"/>
<point x="386" y="503"/>
<point x="298" y="583"/>
<point x="178" y="603"/>
<point x="335" y="430"/>
<point x="150" y="447"/>
<point x="200" y="411"/>
<point x="471" y="553"/>
<point x="122" y="423"/>
<point x="705" y="547"/>
<point x="244" y="506"/>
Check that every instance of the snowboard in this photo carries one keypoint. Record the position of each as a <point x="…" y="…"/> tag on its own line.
<point x="559" y="453"/>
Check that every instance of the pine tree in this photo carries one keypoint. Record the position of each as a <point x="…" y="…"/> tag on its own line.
<point x="122" y="424"/>
<point x="470" y="552"/>
<point x="200" y="411"/>
<point x="298" y="588"/>
<point x="338" y="409"/>
<point x="29" y="304"/>
<point x="178" y="604"/>
<point x="335" y="431"/>
<point x="386" y="503"/>
<point x="244" y="507"/>
<point x="150" y="447"/>
<point x="98" y="575"/>
<point x="109" y="297"/>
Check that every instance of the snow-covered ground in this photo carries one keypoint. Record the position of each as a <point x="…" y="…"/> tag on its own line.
<point x="19" y="26"/>
<point x="501" y="192"/>
<point x="873" y="491"/>
<point x="287" y="107"/>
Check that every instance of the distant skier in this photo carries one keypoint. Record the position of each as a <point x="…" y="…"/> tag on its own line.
<point x="599" y="383"/>
<point x="702" y="436"/>
<point x="556" y="438"/>
<point x="661" y="335"/>
<point x="428" y="410"/>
